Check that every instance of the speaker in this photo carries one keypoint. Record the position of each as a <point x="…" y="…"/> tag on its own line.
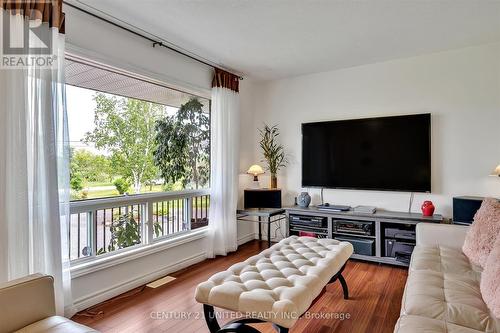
<point x="464" y="209"/>
<point x="262" y="198"/>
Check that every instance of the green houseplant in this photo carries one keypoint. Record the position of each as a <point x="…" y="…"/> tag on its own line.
<point x="126" y="231"/>
<point x="272" y="151"/>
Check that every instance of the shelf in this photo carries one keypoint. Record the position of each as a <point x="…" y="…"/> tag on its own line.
<point x="388" y="216"/>
<point x="383" y="260"/>
<point x="393" y="261"/>
<point x="354" y="235"/>
<point x="305" y="228"/>
<point x="402" y="240"/>
<point x="382" y="220"/>
<point x="293" y="225"/>
<point x="315" y="232"/>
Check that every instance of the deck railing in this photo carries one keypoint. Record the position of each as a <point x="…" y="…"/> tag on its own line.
<point x="100" y="226"/>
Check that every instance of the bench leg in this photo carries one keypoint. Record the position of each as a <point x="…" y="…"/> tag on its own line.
<point x="342" y="282"/>
<point x="235" y="326"/>
<point x="344" y="286"/>
<point x="238" y="328"/>
<point x="280" y="329"/>
<point x="210" y="318"/>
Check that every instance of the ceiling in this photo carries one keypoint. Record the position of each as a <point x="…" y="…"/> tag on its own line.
<point x="266" y="39"/>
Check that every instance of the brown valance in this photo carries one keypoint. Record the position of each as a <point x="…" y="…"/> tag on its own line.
<point x="225" y="80"/>
<point x="49" y="11"/>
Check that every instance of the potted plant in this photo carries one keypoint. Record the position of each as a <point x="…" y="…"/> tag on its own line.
<point x="273" y="152"/>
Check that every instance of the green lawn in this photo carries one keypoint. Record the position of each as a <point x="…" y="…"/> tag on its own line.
<point x="93" y="184"/>
<point x="94" y="194"/>
<point x="102" y="194"/>
<point x="114" y="192"/>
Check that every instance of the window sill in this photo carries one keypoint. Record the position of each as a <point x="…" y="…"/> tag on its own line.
<point x="88" y="267"/>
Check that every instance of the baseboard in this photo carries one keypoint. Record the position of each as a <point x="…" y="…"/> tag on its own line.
<point x="105" y="294"/>
<point x="273" y="239"/>
<point x="247" y="238"/>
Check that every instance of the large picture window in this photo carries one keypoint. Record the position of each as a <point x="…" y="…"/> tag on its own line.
<point x="140" y="159"/>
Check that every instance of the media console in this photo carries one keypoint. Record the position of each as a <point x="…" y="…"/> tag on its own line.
<point x="384" y="237"/>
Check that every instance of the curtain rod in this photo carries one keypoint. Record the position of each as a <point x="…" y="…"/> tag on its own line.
<point x="155" y="42"/>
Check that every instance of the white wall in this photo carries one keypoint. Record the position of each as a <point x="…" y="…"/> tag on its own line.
<point x="99" y="41"/>
<point x="461" y="88"/>
<point x="98" y="286"/>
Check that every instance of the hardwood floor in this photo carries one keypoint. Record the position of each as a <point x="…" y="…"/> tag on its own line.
<point x="374" y="304"/>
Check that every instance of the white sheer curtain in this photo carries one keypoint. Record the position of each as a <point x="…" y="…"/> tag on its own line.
<point x="224" y="171"/>
<point x="34" y="171"/>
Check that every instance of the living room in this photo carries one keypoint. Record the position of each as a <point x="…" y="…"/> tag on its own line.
<point x="250" y="166"/>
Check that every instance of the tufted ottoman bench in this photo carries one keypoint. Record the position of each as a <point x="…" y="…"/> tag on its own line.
<point x="278" y="285"/>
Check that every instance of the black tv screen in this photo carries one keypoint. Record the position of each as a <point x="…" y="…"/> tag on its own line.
<point x="386" y="153"/>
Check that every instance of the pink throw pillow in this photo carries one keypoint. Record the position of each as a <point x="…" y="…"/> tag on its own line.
<point x="483" y="232"/>
<point x="490" y="280"/>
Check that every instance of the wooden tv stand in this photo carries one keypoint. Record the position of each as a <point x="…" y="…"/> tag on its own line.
<point x="380" y="220"/>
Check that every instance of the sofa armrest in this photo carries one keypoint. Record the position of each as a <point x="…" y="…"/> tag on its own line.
<point x="25" y="301"/>
<point x="450" y="235"/>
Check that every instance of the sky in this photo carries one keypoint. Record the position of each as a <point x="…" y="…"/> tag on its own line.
<point x="80" y="108"/>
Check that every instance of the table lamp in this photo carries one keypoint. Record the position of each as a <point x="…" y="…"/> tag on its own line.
<point x="255" y="170"/>
<point x="496" y="172"/>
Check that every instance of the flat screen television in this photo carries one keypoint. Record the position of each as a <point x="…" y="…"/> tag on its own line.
<point x="385" y="153"/>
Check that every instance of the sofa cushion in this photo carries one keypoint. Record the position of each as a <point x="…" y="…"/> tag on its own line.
<point x="490" y="280"/>
<point x="483" y="232"/>
<point x="56" y="324"/>
<point x="418" y="324"/>
<point x="443" y="259"/>
<point x="443" y="285"/>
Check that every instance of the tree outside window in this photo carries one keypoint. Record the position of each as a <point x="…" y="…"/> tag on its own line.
<point x="144" y="144"/>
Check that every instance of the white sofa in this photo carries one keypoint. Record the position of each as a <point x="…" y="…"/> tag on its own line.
<point x="442" y="292"/>
<point x="28" y="306"/>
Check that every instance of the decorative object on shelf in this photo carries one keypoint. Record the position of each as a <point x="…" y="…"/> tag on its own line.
<point x="496" y="172"/>
<point x="304" y="199"/>
<point x="273" y="152"/>
<point x="428" y="208"/>
<point x="255" y="170"/>
<point x="307" y="234"/>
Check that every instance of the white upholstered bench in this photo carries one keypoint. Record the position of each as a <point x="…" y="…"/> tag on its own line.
<point x="278" y="285"/>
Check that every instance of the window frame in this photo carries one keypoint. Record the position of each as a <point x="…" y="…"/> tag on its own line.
<point x="149" y="244"/>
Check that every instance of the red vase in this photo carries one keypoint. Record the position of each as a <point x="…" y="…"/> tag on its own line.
<point x="428" y="208"/>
